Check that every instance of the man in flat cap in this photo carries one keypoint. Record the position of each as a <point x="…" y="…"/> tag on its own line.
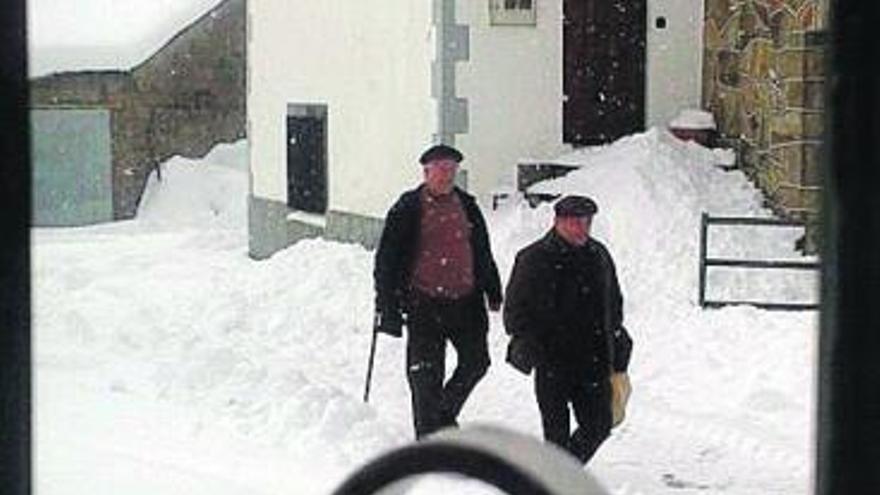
<point x="563" y="310"/>
<point x="435" y="273"/>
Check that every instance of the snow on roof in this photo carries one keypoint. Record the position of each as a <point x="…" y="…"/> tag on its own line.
<point x="65" y="35"/>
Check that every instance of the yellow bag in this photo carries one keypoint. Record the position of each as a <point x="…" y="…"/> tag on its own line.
<point x="620" y="391"/>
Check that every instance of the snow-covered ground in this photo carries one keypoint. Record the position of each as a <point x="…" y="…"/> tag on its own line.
<point x="167" y="361"/>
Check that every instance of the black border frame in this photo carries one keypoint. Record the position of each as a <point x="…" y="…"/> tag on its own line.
<point x="15" y="203"/>
<point x="849" y="363"/>
<point x="848" y="436"/>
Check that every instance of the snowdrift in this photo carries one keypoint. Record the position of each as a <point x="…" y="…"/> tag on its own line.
<point x="205" y="193"/>
<point x="273" y="353"/>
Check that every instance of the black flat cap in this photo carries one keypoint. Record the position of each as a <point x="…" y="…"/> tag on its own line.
<point x="575" y="206"/>
<point x="440" y="152"/>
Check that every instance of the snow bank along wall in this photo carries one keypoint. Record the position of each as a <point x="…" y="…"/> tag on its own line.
<point x="361" y="89"/>
<point x="763" y="78"/>
<point x="181" y="101"/>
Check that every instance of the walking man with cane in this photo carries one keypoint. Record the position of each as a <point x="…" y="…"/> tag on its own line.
<point x="435" y="274"/>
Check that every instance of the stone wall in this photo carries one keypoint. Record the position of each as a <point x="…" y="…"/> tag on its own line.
<point x="763" y="78"/>
<point x="184" y="99"/>
<point x="87" y="88"/>
<point x="195" y="85"/>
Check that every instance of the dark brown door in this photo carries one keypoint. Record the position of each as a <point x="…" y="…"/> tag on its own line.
<point x="306" y="165"/>
<point x="603" y="69"/>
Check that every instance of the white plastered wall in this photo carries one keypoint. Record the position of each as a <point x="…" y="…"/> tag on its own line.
<point x="513" y="84"/>
<point x="369" y="62"/>
<point x="675" y="54"/>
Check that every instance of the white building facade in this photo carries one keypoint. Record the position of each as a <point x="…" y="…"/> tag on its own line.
<point x="343" y="97"/>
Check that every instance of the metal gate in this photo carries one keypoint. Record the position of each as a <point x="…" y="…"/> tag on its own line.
<point x="707" y="262"/>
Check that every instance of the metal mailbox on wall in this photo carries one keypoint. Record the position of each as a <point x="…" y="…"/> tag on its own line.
<point x="71" y="163"/>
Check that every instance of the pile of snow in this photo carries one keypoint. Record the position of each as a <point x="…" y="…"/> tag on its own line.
<point x="157" y="320"/>
<point x="66" y="35"/>
<point x="209" y="192"/>
<point x="652" y="189"/>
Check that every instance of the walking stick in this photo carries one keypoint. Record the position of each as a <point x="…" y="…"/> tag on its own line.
<point x="370" y="367"/>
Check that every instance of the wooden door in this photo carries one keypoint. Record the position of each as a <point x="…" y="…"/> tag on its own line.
<point x="603" y="69"/>
<point x="306" y="164"/>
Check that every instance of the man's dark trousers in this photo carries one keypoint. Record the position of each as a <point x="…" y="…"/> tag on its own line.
<point x="591" y="402"/>
<point x="430" y="322"/>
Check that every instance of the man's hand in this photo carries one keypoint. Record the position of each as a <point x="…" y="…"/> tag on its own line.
<point x="522" y="354"/>
<point x="388" y="322"/>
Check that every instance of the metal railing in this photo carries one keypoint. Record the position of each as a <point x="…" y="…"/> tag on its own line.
<point x="706" y="262"/>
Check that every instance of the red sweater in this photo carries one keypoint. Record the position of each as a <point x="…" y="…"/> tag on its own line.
<point x="443" y="266"/>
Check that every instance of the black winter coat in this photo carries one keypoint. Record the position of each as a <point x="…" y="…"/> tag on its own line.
<point x="396" y="251"/>
<point x="566" y="302"/>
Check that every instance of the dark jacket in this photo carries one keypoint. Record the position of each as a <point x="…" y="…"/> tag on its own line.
<point x="395" y="254"/>
<point x="565" y="301"/>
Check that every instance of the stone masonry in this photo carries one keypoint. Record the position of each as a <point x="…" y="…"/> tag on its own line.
<point x="184" y="99"/>
<point x="763" y="79"/>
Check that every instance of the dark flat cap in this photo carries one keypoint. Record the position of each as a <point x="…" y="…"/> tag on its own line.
<point x="575" y="206"/>
<point x="440" y="152"/>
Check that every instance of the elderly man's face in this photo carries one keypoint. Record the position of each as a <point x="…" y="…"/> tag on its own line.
<point x="575" y="230"/>
<point x="440" y="175"/>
